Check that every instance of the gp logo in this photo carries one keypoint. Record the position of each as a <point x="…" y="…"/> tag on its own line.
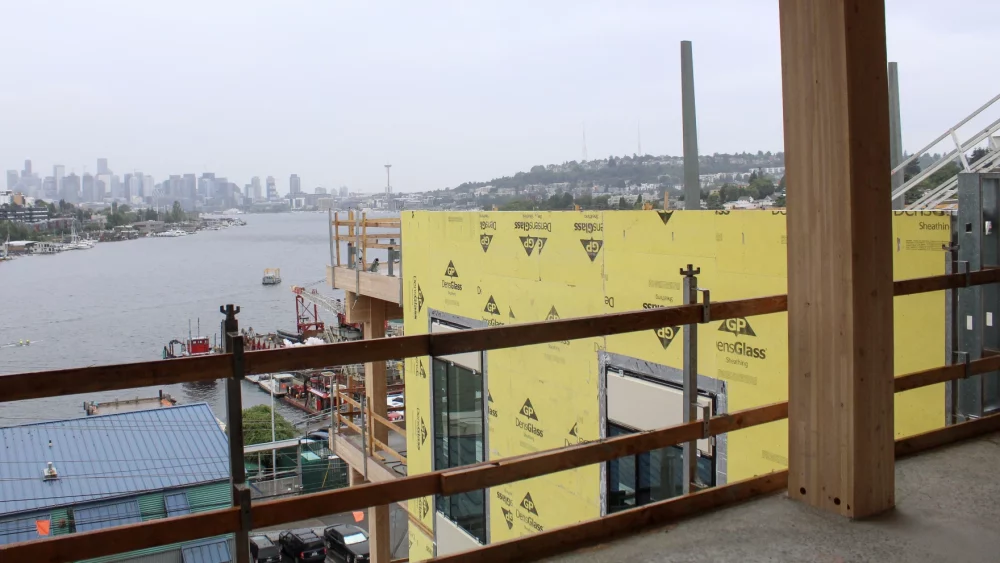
<point x="592" y="247"/>
<point x="491" y="307"/>
<point x="531" y="244"/>
<point x="528" y="504"/>
<point x="485" y="240"/>
<point x="666" y="335"/>
<point x="737" y="326"/>
<point x="508" y="517"/>
<point x="528" y="410"/>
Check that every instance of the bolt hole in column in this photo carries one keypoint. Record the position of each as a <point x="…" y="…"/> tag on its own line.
<point x="802" y="490"/>
<point x="836" y="500"/>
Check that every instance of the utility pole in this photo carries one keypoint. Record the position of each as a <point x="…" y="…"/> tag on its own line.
<point x="895" y="134"/>
<point x="692" y="184"/>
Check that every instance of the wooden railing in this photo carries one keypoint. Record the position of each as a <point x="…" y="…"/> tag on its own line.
<point x="474" y="477"/>
<point x="370" y="445"/>
<point x="387" y="234"/>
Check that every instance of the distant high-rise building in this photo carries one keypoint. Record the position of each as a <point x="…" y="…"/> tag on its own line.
<point x="59" y="172"/>
<point x="190" y="189"/>
<point x="102" y="167"/>
<point x="115" y="188"/>
<point x="272" y="189"/>
<point x="294" y="184"/>
<point x="174" y="186"/>
<point x="148" y="186"/>
<point x="27" y="168"/>
<point x="87" y="192"/>
<point x="49" y="190"/>
<point x="70" y="190"/>
<point x="320" y="191"/>
<point x="102" y="187"/>
<point x="344" y="192"/>
<point x="12" y="179"/>
<point x="205" y="184"/>
<point x="256" y="187"/>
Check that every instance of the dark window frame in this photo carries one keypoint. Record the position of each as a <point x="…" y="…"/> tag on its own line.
<point x="640" y="465"/>
<point x="469" y="511"/>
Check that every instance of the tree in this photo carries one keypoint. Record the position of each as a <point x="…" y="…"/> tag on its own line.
<point x="977" y="153"/>
<point x="601" y="202"/>
<point x="257" y="426"/>
<point x="911" y="170"/>
<point x="638" y="202"/>
<point x="713" y="201"/>
<point x="781" y="183"/>
<point x="176" y="213"/>
<point x="780" y="201"/>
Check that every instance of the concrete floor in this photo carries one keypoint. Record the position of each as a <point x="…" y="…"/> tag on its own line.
<point x="947" y="509"/>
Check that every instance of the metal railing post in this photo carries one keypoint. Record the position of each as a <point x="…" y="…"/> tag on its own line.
<point x="690" y="459"/>
<point x="364" y="439"/>
<point x="234" y="424"/>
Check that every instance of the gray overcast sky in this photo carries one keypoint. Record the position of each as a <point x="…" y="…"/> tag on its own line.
<point x="445" y="91"/>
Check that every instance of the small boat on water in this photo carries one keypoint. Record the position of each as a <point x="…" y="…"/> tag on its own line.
<point x="272" y="276"/>
<point x="277" y="383"/>
<point x="196" y="346"/>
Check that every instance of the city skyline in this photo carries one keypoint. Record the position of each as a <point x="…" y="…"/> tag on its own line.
<point x="447" y="95"/>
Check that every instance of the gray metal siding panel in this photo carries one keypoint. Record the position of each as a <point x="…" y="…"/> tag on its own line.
<point x="110" y="456"/>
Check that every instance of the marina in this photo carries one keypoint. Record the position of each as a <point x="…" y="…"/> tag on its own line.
<point x="158" y="288"/>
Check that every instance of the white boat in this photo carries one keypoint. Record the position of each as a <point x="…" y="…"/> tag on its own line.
<point x="171" y="233"/>
<point x="272" y="276"/>
<point x="275" y="381"/>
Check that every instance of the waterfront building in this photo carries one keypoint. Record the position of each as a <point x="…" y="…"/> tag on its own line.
<point x="59" y="477"/>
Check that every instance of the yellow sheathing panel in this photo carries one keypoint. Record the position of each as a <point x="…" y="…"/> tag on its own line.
<point x="516" y="267"/>
<point x="919" y="319"/>
<point x="421" y="546"/>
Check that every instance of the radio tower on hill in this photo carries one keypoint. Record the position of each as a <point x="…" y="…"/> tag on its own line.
<point x="388" y="184"/>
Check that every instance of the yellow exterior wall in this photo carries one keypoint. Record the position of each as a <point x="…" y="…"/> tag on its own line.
<point x="505" y="268"/>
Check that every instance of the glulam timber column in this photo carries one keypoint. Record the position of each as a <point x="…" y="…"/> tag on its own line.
<point x="840" y="333"/>
<point x="375" y="391"/>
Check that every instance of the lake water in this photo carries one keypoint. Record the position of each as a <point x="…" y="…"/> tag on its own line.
<point x="123" y="301"/>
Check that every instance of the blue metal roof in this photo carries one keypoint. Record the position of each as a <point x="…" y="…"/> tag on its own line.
<point x="109" y="456"/>
<point x="213" y="551"/>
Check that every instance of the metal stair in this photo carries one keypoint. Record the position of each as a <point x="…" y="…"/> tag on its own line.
<point x="943" y="193"/>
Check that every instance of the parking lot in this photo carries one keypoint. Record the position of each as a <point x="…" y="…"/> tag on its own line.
<point x="397" y="527"/>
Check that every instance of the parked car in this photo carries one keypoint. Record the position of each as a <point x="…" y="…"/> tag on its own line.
<point x="346" y="543"/>
<point x="262" y="550"/>
<point x="321" y="435"/>
<point x="302" y="546"/>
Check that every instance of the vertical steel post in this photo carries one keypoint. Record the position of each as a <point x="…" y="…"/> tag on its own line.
<point x="692" y="183"/>
<point x="364" y="438"/>
<point x="333" y="264"/>
<point x="234" y="424"/>
<point x="690" y="377"/>
<point x="895" y="133"/>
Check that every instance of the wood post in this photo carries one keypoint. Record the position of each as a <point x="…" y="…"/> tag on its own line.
<point x="840" y="320"/>
<point x="375" y="392"/>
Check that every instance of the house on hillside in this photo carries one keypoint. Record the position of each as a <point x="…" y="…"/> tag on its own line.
<point x="84" y="474"/>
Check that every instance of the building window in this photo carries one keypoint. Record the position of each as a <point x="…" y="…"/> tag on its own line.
<point x="458" y="439"/>
<point x="651" y="476"/>
<point x="636" y="403"/>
